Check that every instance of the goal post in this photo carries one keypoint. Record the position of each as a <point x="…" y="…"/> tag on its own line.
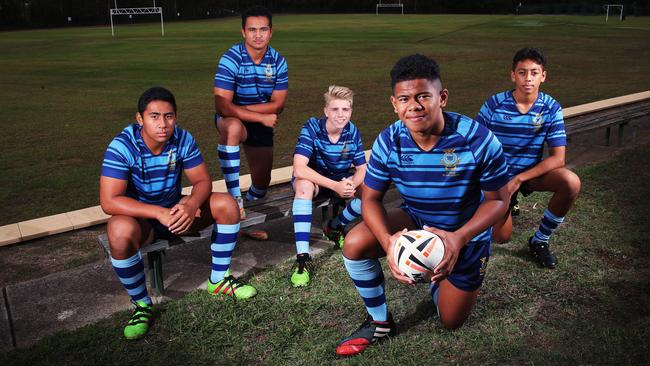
<point x="389" y="4"/>
<point x="608" y="6"/>
<point x="137" y="11"/>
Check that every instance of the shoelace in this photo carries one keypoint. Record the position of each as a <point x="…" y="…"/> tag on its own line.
<point x="233" y="283"/>
<point x="139" y="313"/>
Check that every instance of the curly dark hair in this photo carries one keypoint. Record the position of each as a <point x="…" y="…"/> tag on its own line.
<point x="413" y="67"/>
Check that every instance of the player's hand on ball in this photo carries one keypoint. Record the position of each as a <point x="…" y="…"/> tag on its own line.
<point x="453" y="244"/>
<point x="392" y="264"/>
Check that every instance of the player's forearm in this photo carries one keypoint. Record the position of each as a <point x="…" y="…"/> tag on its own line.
<point x="201" y="191"/>
<point x="127" y="206"/>
<point x="266" y="108"/>
<point x="226" y="108"/>
<point x="487" y="214"/>
<point x="544" y="166"/>
<point x="305" y="172"/>
<point x="359" y="175"/>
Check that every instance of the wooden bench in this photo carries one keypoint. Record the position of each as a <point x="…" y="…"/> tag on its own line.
<point x="608" y="118"/>
<point x="277" y="204"/>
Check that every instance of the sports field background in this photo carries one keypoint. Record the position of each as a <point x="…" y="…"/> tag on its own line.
<point x="64" y="93"/>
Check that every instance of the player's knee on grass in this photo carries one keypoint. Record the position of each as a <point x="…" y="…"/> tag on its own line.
<point x="124" y="236"/>
<point x="224" y="208"/>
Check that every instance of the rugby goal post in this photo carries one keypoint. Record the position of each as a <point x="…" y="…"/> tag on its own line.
<point x="389" y="4"/>
<point x="620" y="8"/>
<point x="137" y="11"/>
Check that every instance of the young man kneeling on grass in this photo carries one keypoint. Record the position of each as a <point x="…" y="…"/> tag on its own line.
<point x="327" y="148"/>
<point x="523" y="119"/>
<point x="451" y="174"/>
<point x="140" y="187"/>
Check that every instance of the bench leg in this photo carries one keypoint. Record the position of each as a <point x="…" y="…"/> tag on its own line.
<point x="155" y="272"/>
<point x="608" y="131"/>
<point x="621" y="135"/>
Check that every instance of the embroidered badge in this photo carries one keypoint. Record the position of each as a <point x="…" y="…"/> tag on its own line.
<point x="450" y="160"/>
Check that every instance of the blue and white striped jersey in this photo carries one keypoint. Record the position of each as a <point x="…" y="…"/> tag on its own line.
<point x="252" y="84"/>
<point x="154" y="179"/>
<point x="443" y="186"/>
<point x="332" y="160"/>
<point x="523" y="134"/>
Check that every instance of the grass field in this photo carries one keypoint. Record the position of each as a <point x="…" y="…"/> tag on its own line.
<point x="66" y="92"/>
<point x="592" y="309"/>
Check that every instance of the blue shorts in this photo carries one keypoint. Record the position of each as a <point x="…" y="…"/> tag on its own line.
<point x="470" y="268"/>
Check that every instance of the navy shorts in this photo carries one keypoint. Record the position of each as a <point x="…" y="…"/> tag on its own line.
<point x="470" y="268"/>
<point x="258" y="135"/>
<point x="524" y="190"/>
<point x="160" y="231"/>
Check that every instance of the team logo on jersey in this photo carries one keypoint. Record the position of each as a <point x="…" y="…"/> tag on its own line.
<point x="450" y="160"/>
<point x="483" y="269"/>
<point x="171" y="160"/>
<point x="345" y="150"/>
<point x="268" y="72"/>
<point x="407" y="159"/>
<point x="538" y="121"/>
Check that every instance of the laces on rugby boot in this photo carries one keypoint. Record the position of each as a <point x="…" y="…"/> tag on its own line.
<point x="300" y="275"/>
<point x="542" y="253"/>
<point x="335" y="235"/>
<point x="138" y="326"/>
<point x="242" y="212"/>
<point x="230" y="286"/>
<point x="369" y="332"/>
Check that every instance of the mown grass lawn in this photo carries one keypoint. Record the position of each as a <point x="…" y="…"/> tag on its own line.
<point x="592" y="309"/>
<point x="66" y="92"/>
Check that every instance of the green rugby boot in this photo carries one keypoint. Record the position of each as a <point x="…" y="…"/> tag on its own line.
<point x="300" y="275"/>
<point x="230" y="286"/>
<point x="138" y="325"/>
<point x="335" y="235"/>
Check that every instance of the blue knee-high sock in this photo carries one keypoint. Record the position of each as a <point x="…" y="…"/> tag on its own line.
<point x="255" y="193"/>
<point x="229" y="160"/>
<point x="224" y="238"/>
<point x="549" y="223"/>
<point x="130" y="271"/>
<point x="302" y="211"/>
<point x="368" y="278"/>
<point x="351" y="212"/>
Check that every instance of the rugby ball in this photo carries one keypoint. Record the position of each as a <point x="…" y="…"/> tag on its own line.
<point x="417" y="253"/>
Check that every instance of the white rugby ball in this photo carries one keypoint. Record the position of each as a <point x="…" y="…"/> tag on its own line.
<point x="417" y="253"/>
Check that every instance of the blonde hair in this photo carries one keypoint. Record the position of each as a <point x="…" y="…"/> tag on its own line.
<point x="338" y="92"/>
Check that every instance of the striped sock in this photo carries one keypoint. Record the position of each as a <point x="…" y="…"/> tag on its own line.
<point x="302" y="210"/>
<point x="368" y="278"/>
<point x="351" y="212"/>
<point x="229" y="160"/>
<point x="255" y="193"/>
<point x="130" y="271"/>
<point x="549" y="223"/>
<point x="224" y="238"/>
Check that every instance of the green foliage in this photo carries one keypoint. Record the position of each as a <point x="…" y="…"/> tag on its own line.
<point x="592" y="309"/>
<point x="67" y="92"/>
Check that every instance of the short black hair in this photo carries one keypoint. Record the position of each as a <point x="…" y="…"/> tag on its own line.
<point x="529" y="53"/>
<point x="155" y="93"/>
<point x="256" y="11"/>
<point x="413" y="67"/>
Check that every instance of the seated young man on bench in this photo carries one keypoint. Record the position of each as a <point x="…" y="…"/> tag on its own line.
<point x="327" y="148"/>
<point x="140" y="186"/>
